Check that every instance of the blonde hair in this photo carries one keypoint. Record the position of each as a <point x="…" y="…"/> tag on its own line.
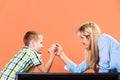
<point x="31" y="35"/>
<point x="92" y="30"/>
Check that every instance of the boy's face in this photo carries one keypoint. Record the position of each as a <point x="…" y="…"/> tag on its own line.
<point x="38" y="44"/>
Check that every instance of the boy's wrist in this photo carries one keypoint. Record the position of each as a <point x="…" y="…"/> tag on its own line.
<point x="52" y="54"/>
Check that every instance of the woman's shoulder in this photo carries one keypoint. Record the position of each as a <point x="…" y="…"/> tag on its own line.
<point x="102" y="36"/>
<point x="103" y="40"/>
<point x="106" y="38"/>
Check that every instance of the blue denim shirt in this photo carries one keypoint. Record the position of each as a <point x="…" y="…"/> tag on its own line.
<point x="109" y="54"/>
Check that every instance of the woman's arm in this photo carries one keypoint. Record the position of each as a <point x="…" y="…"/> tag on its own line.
<point x="70" y="65"/>
<point x="64" y="58"/>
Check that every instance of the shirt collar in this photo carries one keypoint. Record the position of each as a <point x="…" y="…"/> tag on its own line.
<point x="28" y="47"/>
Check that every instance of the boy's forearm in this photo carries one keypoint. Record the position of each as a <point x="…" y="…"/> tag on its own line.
<point x="49" y="63"/>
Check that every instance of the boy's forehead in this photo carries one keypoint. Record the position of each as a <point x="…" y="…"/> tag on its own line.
<point x="40" y="37"/>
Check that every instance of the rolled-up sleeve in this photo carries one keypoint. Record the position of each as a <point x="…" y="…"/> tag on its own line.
<point x="36" y="59"/>
<point x="74" y="68"/>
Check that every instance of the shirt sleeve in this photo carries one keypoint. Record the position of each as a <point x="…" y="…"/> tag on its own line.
<point x="35" y="58"/>
<point x="74" y="68"/>
<point x="104" y="57"/>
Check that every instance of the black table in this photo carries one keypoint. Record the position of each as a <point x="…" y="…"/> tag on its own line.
<point x="68" y="76"/>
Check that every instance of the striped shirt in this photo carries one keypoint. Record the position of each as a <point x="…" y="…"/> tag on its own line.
<point x="21" y="62"/>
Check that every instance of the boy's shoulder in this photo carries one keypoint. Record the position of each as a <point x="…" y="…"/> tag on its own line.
<point x="28" y="49"/>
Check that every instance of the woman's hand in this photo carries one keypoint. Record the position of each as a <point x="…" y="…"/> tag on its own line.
<point x="59" y="49"/>
<point x="55" y="49"/>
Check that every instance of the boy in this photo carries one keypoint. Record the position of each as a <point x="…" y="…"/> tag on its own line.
<point x="28" y="58"/>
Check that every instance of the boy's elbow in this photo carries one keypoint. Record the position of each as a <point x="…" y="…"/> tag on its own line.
<point x="44" y="71"/>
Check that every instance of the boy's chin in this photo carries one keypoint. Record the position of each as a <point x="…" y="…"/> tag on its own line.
<point x="39" y="52"/>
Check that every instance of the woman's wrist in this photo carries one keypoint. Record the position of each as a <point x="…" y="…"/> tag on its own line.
<point x="61" y="54"/>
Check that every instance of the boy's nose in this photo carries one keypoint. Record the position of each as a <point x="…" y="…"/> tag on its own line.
<point x="42" y="46"/>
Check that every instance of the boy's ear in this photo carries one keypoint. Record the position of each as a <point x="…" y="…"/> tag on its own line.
<point x="31" y="42"/>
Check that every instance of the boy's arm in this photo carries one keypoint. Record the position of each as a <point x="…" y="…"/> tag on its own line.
<point x="46" y="67"/>
<point x="31" y="69"/>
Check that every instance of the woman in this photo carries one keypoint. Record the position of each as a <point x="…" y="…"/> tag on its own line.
<point x="100" y="50"/>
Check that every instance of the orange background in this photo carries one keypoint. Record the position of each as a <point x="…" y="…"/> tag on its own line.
<point x="57" y="20"/>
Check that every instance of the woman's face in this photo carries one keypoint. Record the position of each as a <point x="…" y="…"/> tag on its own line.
<point x="85" y="41"/>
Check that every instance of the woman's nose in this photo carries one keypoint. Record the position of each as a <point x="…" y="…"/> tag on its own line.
<point x="81" y="41"/>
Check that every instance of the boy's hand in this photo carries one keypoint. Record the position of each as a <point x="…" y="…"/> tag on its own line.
<point x="53" y="49"/>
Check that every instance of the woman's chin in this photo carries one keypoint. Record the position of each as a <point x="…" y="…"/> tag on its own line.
<point x="86" y="48"/>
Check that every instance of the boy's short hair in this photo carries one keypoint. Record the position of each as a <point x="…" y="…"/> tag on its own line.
<point x="29" y="36"/>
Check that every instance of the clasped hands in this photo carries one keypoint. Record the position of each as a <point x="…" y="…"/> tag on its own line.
<point x="55" y="49"/>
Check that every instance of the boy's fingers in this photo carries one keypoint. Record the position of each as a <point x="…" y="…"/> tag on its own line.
<point x="55" y="48"/>
<point x="52" y="50"/>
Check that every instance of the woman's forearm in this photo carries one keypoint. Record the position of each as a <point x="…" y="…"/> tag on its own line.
<point x="64" y="58"/>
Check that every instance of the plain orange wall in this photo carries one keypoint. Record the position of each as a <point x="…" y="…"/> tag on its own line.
<point x="57" y="20"/>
